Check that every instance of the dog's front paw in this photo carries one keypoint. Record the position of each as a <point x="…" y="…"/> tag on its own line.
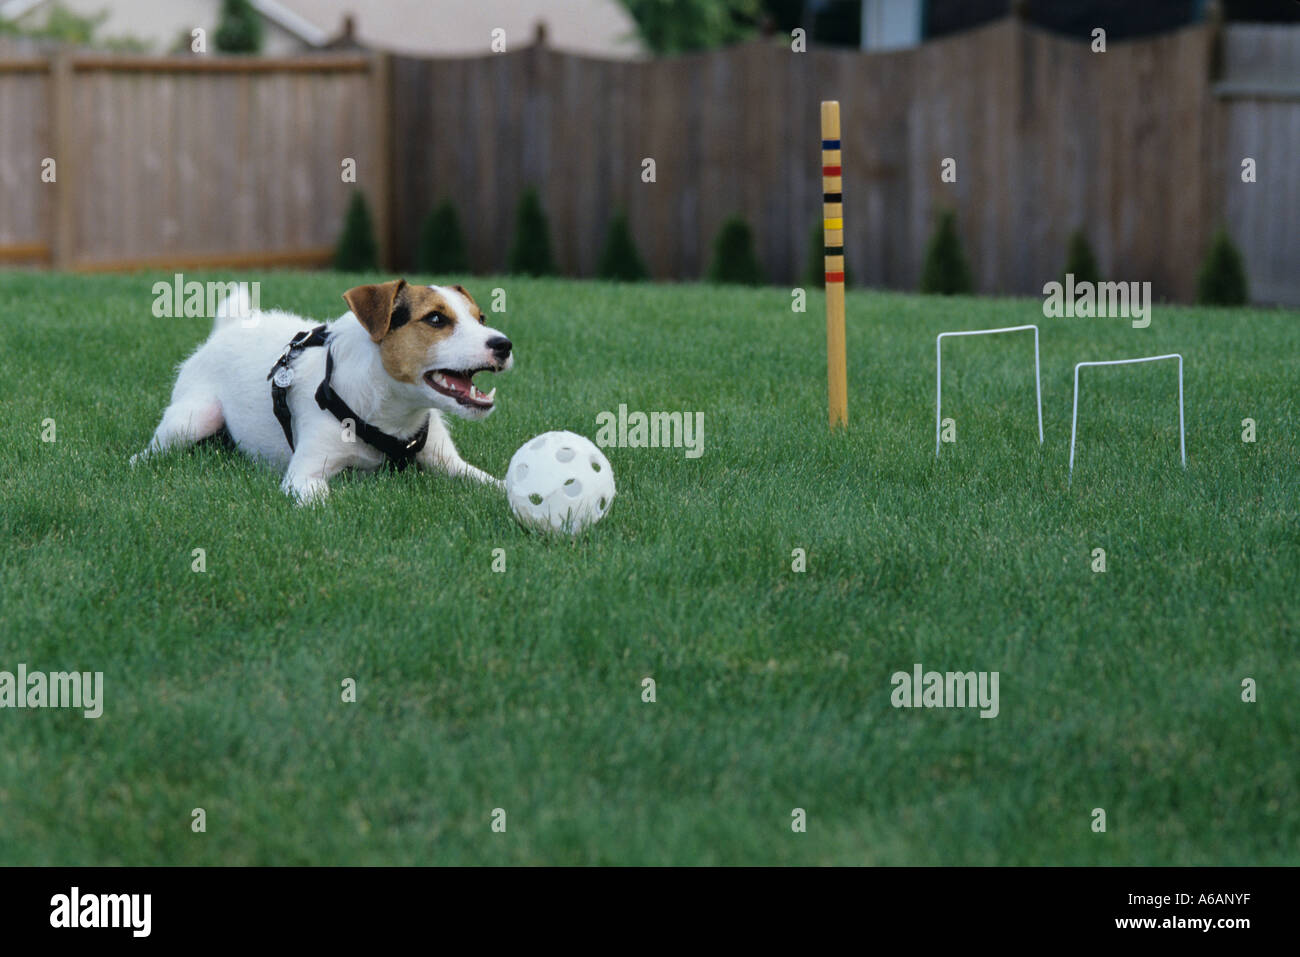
<point x="309" y="493"/>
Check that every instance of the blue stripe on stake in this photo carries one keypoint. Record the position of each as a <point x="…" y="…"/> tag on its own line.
<point x="830" y="144"/>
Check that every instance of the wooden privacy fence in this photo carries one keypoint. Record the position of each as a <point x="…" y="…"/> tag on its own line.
<point x="1131" y="145"/>
<point x="1258" y="117"/>
<point x="184" y="161"/>
<point x="191" y="161"/>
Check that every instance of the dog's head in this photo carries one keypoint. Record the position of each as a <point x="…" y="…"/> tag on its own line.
<point x="433" y="339"/>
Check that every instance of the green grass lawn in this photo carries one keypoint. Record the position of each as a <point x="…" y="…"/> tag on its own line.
<point x="522" y="690"/>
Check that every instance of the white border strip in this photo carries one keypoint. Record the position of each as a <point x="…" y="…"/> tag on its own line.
<point x="292" y="22"/>
<point x="938" y="376"/>
<point x="13" y="9"/>
<point x="1074" y="424"/>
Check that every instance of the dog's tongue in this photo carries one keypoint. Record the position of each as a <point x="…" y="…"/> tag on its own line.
<point x="462" y="388"/>
<point x="458" y="383"/>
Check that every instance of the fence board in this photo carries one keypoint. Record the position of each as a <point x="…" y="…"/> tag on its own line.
<point x="28" y="210"/>
<point x="182" y="159"/>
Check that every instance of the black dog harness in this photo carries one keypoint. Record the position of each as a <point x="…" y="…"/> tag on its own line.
<point x="399" y="452"/>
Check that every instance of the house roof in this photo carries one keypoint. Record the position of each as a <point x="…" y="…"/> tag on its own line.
<point x="600" y="28"/>
<point x="272" y="10"/>
<point x="455" y="28"/>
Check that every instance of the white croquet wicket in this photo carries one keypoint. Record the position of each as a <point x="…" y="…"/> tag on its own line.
<point x="1074" y="424"/>
<point x="938" y="376"/>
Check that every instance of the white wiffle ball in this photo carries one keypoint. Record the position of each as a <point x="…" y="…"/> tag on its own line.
<point x="559" y="481"/>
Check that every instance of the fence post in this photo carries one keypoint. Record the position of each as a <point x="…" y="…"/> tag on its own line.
<point x="1210" y="126"/>
<point x="1215" y="42"/>
<point x="381" y="91"/>
<point x="63" y="149"/>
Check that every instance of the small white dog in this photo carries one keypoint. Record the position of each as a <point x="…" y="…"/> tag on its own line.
<point x="373" y="392"/>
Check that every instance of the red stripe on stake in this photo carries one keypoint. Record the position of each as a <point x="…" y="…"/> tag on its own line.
<point x="835" y="277"/>
<point x="830" y="171"/>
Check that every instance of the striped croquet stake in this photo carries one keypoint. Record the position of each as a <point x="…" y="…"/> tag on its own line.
<point x="833" y="224"/>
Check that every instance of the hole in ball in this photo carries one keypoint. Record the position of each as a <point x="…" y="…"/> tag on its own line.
<point x="573" y="488"/>
<point x="564" y="455"/>
<point x="535" y="499"/>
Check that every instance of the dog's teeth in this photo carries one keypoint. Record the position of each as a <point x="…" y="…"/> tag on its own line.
<point x="439" y="379"/>
<point x="491" y="395"/>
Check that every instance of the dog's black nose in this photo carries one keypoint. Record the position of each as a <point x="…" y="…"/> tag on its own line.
<point x="500" y="347"/>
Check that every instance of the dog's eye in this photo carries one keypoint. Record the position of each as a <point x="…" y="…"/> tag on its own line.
<point x="435" y="319"/>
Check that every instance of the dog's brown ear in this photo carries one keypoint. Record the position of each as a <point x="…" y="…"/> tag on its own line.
<point x="373" y="305"/>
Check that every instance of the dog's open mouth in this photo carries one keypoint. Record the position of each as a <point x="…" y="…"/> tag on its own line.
<point x="460" y="386"/>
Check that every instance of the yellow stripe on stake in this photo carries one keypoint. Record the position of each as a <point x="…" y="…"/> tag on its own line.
<point x="836" y="365"/>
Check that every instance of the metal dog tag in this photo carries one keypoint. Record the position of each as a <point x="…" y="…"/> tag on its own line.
<point x="283" y="377"/>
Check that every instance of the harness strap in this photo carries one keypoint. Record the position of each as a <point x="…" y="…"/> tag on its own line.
<point x="399" y="452"/>
<point x="281" y="376"/>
